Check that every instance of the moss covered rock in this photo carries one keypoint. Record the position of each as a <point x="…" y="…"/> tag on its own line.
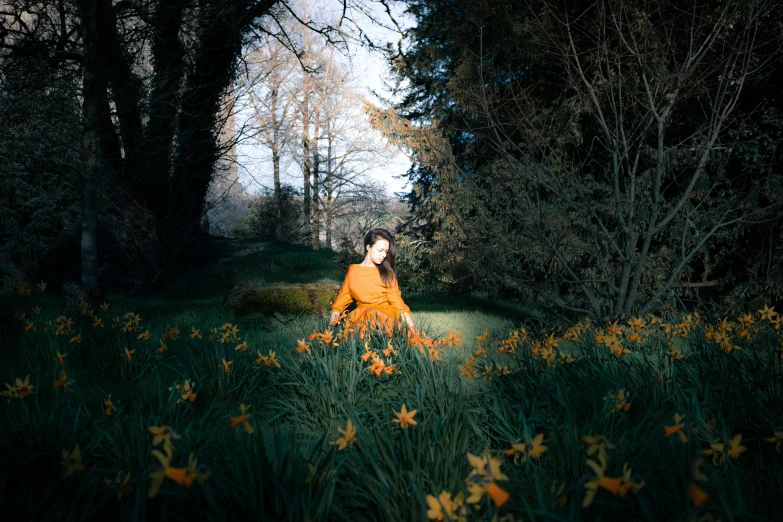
<point x="249" y="297"/>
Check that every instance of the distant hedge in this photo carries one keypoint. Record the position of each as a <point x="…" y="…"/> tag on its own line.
<point x="249" y="297"/>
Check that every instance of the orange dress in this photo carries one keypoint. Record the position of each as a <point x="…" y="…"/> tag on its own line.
<point x="375" y="302"/>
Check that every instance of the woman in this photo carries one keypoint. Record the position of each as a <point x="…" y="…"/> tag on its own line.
<point x="372" y="284"/>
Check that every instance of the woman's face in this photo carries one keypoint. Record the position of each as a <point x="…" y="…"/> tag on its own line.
<point x="378" y="250"/>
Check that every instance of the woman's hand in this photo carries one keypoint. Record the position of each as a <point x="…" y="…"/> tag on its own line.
<point x="334" y="318"/>
<point x="408" y="319"/>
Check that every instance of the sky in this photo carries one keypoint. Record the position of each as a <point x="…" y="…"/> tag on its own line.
<point x="255" y="168"/>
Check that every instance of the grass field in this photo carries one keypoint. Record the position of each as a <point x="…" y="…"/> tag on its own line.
<point x="171" y="408"/>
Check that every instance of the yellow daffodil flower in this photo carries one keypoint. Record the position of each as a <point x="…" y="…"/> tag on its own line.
<point x="777" y="440"/>
<point x="119" y="484"/>
<point x="302" y="346"/>
<point x="405" y="417"/>
<point x="242" y="418"/>
<point x="226" y="365"/>
<point x="348" y="436"/>
<point x="63" y="382"/>
<point x="162" y="434"/>
<point x="735" y="447"/>
<point x="72" y="461"/>
<point x="677" y="428"/>
<point x="110" y="407"/>
<point x="444" y="506"/>
<point x="768" y="313"/>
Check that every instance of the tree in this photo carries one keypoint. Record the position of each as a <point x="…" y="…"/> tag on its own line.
<point x="155" y="75"/>
<point x="272" y="67"/>
<point x="587" y="156"/>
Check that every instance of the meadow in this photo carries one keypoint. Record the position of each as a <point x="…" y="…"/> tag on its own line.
<point x="169" y="407"/>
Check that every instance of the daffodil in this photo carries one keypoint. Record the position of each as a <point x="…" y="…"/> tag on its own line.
<point x="348" y="436"/>
<point x="171" y="332"/>
<point x="63" y="382"/>
<point x="697" y="495"/>
<point x="389" y="350"/>
<point x="405" y="417"/>
<point x="110" y="407"/>
<point x="145" y="335"/>
<point x="42" y="286"/>
<point x="21" y="389"/>
<point x="735" y="447"/>
<point x="226" y="364"/>
<point x="243" y="418"/>
<point x="677" y="428"/>
<point x="768" y="313"/>
<point x="162" y="434"/>
<point x="620" y="400"/>
<point x="444" y="506"/>
<point x="302" y="346"/>
<point x="597" y="444"/>
<point x="377" y="365"/>
<point x="105" y="306"/>
<point x="120" y="485"/>
<point x="613" y="485"/>
<point x="777" y="440"/>
<point x="184" y="391"/>
<point x="482" y="479"/>
<point x="60" y="357"/>
<point x="182" y="476"/>
<point x="270" y="359"/>
<point x="241" y="346"/>
<point x="72" y="461"/>
<point x="194" y="333"/>
<point x="453" y="339"/>
<point x="76" y="339"/>
<point x="162" y="348"/>
<point x="537" y="449"/>
<point x="128" y="354"/>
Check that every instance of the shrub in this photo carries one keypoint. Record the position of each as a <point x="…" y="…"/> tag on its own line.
<point x="249" y="297"/>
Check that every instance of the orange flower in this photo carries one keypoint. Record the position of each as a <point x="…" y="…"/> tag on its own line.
<point x="226" y="365"/>
<point x="452" y="339"/>
<point x="405" y="417"/>
<point x="302" y="346"/>
<point x="242" y="418"/>
<point x="60" y="357"/>
<point x="697" y="495"/>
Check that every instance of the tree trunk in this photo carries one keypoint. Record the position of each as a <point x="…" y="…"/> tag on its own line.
<point x="276" y="196"/>
<point x="168" y="59"/>
<point x="329" y="181"/>
<point x="198" y="149"/>
<point x="306" y="158"/>
<point x="91" y="153"/>
<point x="316" y="188"/>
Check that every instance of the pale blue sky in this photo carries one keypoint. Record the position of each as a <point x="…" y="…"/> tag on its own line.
<point x="370" y="70"/>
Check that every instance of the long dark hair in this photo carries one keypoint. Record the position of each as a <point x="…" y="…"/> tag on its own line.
<point x="386" y="268"/>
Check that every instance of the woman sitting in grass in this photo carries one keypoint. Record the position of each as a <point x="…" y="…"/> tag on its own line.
<point x="372" y="284"/>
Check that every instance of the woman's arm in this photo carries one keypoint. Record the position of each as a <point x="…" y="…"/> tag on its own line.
<point x="342" y="300"/>
<point x="394" y="296"/>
